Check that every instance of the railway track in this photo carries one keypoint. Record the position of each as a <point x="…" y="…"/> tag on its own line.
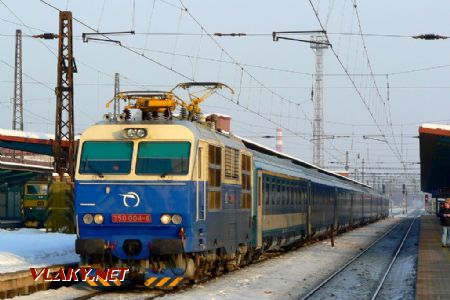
<point x="365" y="275"/>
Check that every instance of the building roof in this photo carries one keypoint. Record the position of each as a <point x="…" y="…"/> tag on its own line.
<point x="435" y="159"/>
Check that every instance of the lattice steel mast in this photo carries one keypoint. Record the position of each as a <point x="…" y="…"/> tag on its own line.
<point x="318" y="133"/>
<point x="64" y="129"/>
<point x="116" y="92"/>
<point x="17" y="122"/>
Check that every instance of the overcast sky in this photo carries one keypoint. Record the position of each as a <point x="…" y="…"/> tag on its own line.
<point x="272" y="79"/>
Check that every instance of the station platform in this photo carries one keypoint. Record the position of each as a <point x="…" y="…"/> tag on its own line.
<point x="433" y="271"/>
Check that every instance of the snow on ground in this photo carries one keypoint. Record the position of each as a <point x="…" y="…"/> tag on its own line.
<point x="63" y="293"/>
<point x="25" y="248"/>
<point x="284" y="277"/>
<point x="290" y="275"/>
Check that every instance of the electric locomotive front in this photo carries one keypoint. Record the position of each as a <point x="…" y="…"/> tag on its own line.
<point x="134" y="196"/>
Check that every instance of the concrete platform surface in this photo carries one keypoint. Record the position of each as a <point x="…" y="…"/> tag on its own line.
<point x="433" y="272"/>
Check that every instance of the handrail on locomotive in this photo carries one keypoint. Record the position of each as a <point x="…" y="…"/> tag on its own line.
<point x="152" y="103"/>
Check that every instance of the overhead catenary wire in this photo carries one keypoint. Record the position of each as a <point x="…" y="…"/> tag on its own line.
<point x="358" y="91"/>
<point x="178" y="72"/>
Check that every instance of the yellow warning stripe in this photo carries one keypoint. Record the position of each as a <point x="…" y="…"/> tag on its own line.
<point x="103" y="282"/>
<point x="162" y="281"/>
<point x="176" y="281"/>
<point x="91" y="282"/>
<point x="116" y="282"/>
<point x="100" y="281"/>
<point x="150" y="281"/>
<point x="165" y="281"/>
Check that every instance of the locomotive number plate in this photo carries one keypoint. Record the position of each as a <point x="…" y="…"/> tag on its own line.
<point x="131" y="218"/>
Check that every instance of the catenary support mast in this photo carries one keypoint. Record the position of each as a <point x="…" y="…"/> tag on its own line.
<point x="318" y="133"/>
<point x="17" y="123"/>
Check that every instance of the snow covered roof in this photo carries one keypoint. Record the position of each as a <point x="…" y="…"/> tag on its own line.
<point x="14" y="165"/>
<point x="27" y="134"/>
<point x="435" y="129"/>
<point x="435" y="126"/>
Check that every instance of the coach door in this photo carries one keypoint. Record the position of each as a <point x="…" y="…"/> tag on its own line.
<point x="308" y="203"/>
<point x="258" y="211"/>
<point x="200" y="181"/>
<point x="351" y="208"/>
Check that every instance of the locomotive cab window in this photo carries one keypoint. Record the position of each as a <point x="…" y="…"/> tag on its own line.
<point x="163" y="158"/>
<point x="106" y="158"/>
<point x="36" y="189"/>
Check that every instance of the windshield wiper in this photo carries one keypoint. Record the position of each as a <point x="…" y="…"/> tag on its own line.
<point x="179" y="164"/>
<point x="97" y="172"/>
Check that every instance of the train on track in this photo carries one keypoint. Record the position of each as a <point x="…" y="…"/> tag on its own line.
<point x="168" y="195"/>
<point x="35" y="203"/>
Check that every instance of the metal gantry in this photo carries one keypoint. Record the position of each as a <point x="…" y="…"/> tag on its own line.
<point x="64" y="129"/>
<point x="17" y="123"/>
<point x="318" y="133"/>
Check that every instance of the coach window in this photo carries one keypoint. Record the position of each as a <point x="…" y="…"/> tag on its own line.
<point x="279" y="195"/>
<point x="293" y="194"/>
<point x="246" y="182"/>
<point x="274" y="193"/>
<point x="266" y="190"/>
<point x="214" y="177"/>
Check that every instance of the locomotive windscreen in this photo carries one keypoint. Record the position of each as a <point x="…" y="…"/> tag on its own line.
<point x="106" y="158"/>
<point x="163" y="158"/>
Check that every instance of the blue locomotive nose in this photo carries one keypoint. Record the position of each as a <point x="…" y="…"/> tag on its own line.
<point x="132" y="247"/>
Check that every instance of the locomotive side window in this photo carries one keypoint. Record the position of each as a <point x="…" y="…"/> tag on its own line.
<point x="106" y="158"/>
<point x="246" y="182"/>
<point x="214" y="177"/>
<point x="163" y="158"/>
<point x="231" y="163"/>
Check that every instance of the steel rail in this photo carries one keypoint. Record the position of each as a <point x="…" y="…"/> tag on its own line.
<point x="386" y="273"/>
<point x="342" y="268"/>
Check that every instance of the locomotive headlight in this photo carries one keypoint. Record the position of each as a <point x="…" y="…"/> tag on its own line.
<point x="141" y="132"/>
<point x="165" y="219"/>
<point x="98" y="219"/>
<point x="88" y="218"/>
<point x="133" y="133"/>
<point x="177" y="219"/>
<point x="129" y="132"/>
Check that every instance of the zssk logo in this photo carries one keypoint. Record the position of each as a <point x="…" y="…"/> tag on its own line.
<point x="131" y="199"/>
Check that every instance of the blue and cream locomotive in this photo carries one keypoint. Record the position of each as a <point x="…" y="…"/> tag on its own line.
<point x="179" y="197"/>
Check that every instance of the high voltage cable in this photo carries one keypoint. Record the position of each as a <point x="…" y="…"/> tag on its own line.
<point x="353" y="82"/>
<point x="243" y="64"/>
<point x="51" y="50"/>
<point x="186" y="76"/>
<point x="244" y="70"/>
<point x="373" y="78"/>
<point x="121" y="45"/>
<point x="265" y="34"/>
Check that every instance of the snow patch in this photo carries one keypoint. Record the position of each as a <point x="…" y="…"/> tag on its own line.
<point x="25" y="248"/>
